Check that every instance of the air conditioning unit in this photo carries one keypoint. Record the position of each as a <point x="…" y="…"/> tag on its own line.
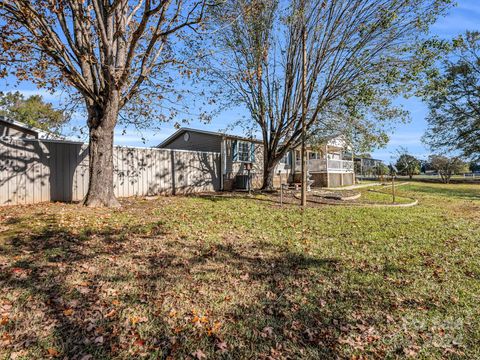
<point x="241" y="182"/>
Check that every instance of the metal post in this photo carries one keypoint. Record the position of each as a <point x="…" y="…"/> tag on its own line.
<point x="393" y="188"/>
<point x="304" y="109"/>
<point x="281" y="195"/>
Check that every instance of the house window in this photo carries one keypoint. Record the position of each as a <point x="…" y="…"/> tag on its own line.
<point x="285" y="159"/>
<point x="243" y="151"/>
<point x="313" y="155"/>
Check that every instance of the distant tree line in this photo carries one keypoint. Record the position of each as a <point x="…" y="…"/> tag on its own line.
<point x="443" y="166"/>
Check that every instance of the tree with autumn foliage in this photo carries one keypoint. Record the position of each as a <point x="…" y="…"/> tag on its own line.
<point x="360" y="55"/>
<point x="111" y="53"/>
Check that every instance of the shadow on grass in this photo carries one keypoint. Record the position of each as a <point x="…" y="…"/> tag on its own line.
<point x="450" y="191"/>
<point x="294" y="304"/>
<point x="69" y="315"/>
<point x="269" y="198"/>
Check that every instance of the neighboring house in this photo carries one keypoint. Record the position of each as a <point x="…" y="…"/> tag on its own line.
<point x="236" y="151"/>
<point x="326" y="162"/>
<point x="366" y="166"/>
<point x="15" y="129"/>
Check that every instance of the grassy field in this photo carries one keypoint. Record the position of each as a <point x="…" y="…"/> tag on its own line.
<point x="231" y="278"/>
<point x="455" y="179"/>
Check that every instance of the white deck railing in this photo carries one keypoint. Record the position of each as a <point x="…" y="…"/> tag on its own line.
<point x="326" y="165"/>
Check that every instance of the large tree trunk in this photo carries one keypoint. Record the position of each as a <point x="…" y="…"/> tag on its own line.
<point x="268" y="174"/>
<point x="101" y="122"/>
<point x="269" y="165"/>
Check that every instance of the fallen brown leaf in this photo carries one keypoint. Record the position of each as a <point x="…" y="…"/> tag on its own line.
<point x="245" y="276"/>
<point x="111" y="314"/>
<point x="199" y="354"/>
<point x="53" y="352"/>
<point x="222" y="347"/>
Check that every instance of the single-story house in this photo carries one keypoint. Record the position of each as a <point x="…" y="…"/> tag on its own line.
<point x="326" y="163"/>
<point x="236" y="152"/>
<point x="10" y="128"/>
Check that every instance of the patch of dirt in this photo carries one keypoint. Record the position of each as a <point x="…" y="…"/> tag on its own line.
<point x="315" y="198"/>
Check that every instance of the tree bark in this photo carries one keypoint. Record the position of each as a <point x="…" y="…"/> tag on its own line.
<point x="268" y="174"/>
<point x="101" y="122"/>
<point x="269" y="164"/>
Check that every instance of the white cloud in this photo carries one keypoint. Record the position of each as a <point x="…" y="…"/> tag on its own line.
<point x="56" y="96"/>
<point x="391" y="156"/>
<point x="133" y="137"/>
<point x="411" y="140"/>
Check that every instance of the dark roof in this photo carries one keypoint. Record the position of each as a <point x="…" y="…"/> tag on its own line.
<point x="181" y="131"/>
<point x="367" y="158"/>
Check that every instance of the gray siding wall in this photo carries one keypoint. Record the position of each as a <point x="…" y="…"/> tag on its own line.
<point x="33" y="171"/>
<point x="234" y="168"/>
<point x="237" y="167"/>
<point x="197" y="142"/>
<point x="209" y="142"/>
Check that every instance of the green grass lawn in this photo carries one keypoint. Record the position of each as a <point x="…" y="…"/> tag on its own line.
<point x="382" y="195"/>
<point x="216" y="277"/>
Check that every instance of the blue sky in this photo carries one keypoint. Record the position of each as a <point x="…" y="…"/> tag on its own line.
<point x="465" y="16"/>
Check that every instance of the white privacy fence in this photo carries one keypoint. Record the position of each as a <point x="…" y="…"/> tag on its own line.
<point x="33" y="171"/>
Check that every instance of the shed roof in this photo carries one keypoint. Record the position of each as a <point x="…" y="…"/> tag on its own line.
<point x="42" y="134"/>
<point x="181" y="131"/>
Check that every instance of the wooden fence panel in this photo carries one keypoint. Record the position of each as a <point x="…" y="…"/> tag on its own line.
<point x="34" y="171"/>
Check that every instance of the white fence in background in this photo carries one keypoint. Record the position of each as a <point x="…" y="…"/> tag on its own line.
<point x="34" y="171"/>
